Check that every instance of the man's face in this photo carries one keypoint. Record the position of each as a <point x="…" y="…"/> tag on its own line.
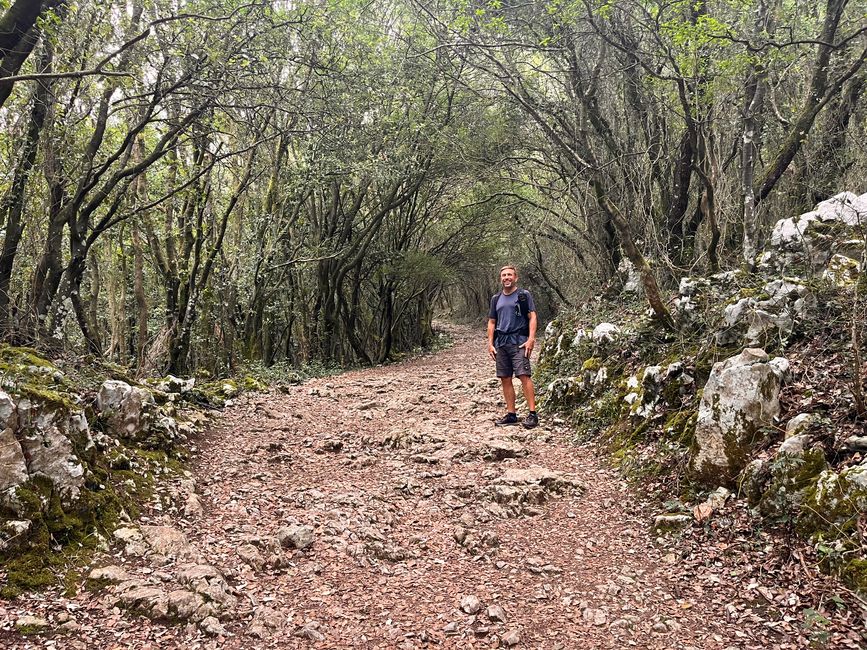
<point x="508" y="278"/>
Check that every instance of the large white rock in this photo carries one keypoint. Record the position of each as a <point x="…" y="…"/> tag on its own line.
<point x="844" y="207"/>
<point x="741" y="395"/>
<point x="605" y="333"/>
<point x="43" y="431"/>
<point x="128" y="410"/>
<point x="810" y="240"/>
<point x="112" y="394"/>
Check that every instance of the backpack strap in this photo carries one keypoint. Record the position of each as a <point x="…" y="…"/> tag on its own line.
<point x="524" y="303"/>
<point x="494" y="306"/>
<point x="524" y="308"/>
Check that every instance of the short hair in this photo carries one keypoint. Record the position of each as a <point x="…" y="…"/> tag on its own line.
<point x="509" y="266"/>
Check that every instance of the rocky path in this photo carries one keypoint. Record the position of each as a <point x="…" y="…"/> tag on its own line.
<point x="382" y="509"/>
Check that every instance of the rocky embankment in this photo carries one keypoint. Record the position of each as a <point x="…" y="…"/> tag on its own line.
<point x="77" y="459"/>
<point x="756" y="395"/>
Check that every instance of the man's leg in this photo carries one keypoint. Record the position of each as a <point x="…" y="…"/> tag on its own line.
<point x="508" y="393"/>
<point x="529" y="391"/>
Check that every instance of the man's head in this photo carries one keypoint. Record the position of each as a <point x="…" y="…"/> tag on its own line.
<point x="508" y="277"/>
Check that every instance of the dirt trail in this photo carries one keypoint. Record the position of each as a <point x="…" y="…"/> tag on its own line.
<point x="410" y="477"/>
<point x="419" y="511"/>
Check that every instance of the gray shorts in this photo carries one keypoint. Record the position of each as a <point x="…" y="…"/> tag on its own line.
<point x="512" y="360"/>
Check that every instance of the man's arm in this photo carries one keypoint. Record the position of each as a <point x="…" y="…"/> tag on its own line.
<point x="492" y="326"/>
<point x="531" y="341"/>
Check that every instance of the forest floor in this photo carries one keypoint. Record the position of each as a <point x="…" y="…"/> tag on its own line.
<point x="427" y="534"/>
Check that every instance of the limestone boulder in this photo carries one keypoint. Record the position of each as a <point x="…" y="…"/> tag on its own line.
<point x="846" y="207"/>
<point x="605" y="334"/>
<point x="172" y="384"/>
<point x="49" y="451"/>
<point x="45" y="438"/>
<point x="128" y="411"/>
<point x="741" y="396"/>
<point x="842" y="271"/>
<point x="131" y="413"/>
<point x="697" y="295"/>
<point x="809" y="241"/>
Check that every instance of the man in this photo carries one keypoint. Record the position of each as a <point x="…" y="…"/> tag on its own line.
<point x="511" y="337"/>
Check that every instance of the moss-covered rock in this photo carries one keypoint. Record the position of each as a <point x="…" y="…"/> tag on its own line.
<point x="741" y="396"/>
<point x="753" y="481"/>
<point x="832" y="508"/>
<point x="252" y="384"/>
<point x="680" y="426"/>
<point x="791" y="476"/>
<point x="62" y="488"/>
<point x="835" y="501"/>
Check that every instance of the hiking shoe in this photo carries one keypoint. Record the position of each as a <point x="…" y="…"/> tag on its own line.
<point x="507" y="420"/>
<point x="531" y="421"/>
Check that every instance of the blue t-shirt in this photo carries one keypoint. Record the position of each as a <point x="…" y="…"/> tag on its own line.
<point x="510" y="322"/>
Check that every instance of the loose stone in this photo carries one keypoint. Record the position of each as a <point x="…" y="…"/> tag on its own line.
<point x="510" y="638"/>
<point x="295" y="536"/>
<point x="471" y="604"/>
<point x="496" y="613"/>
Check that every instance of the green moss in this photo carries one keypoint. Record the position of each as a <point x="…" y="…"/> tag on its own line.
<point x="680" y="426"/>
<point x="47" y="396"/>
<point x="23" y="356"/>
<point x="27" y="374"/>
<point x="855" y="573"/>
<point x="71" y="580"/>
<point x="591" y="365"/>
<point x="73" y="529"/>
<point x="832" y="507"/>
<point x="160" y="458"/>
<point x="28" y="572"/>
<point x="250" y="383"/>
<point x="671" y="392"/>
<point x="791" y="476"/>
<point x="833" y="504"/>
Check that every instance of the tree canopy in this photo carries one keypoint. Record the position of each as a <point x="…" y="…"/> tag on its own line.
<point x="197" y="183"/>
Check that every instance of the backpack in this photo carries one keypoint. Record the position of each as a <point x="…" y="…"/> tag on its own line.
<point x="523" y="307"/>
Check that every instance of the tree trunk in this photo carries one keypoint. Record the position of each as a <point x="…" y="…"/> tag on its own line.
<point x="676" y="246"/>
<point x="141" y="304"/>
<point x="12" y="205"/>
<point x="756" y="88"/>
<point x="627" y="240"/>
<point x="19" y="33"/>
